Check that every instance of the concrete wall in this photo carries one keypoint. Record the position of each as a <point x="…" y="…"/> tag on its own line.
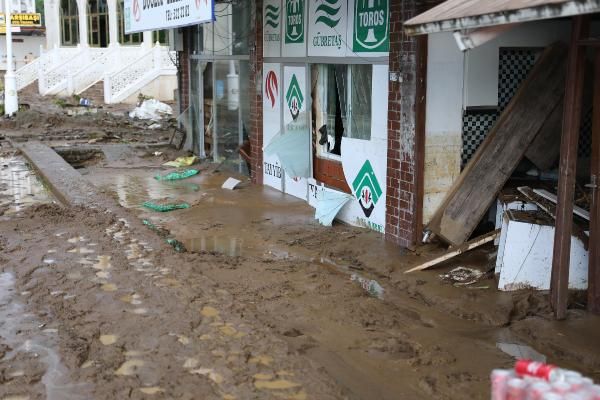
<point x="30" y="44"/>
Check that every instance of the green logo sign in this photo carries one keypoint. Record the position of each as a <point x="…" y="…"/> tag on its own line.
<point x="371" y="26"/>
<point x="294" y="97"/>
<point x="294" y="24"/>
<point x="272" y="16"/>
<point x="366" y="188"/>
<point x="327" y="13"/>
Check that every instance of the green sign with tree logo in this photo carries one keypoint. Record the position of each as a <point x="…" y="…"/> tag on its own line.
<point x="371" y="26"/>
<point x="294" y="97"/>
<point x="294" y="21"/>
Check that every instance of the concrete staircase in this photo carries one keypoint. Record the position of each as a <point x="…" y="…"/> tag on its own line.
<point x="95" y="93"/>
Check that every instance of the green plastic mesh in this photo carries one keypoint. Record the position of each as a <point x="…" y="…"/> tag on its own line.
<point x="173" y="176"/>
<point x="162" y="232"/>
<point x="165" y="207"/>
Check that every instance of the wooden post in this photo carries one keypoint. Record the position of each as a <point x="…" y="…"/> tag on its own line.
<point x="594" y="252"/>
<point x="420" y="112"/>
<point x="559" y="285"/>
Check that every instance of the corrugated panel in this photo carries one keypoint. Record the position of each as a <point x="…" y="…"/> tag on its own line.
<point x="466" y="14"/>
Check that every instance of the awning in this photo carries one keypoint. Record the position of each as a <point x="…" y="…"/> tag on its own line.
<point x="456" y="15"/>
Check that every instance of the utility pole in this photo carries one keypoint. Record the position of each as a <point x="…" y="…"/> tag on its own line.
<point x="11" y="102"/>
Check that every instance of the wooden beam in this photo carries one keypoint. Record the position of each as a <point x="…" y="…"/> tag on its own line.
<point x="594" y="252"/>
<point x="559" y="284"/>
<point x="453" y="252"/>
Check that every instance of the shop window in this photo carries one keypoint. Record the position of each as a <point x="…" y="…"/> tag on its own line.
<point x="69" y="23"/>
<point x="341" y="97"/>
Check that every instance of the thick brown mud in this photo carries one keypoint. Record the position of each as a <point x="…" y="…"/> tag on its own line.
<point x="263" y="304"/>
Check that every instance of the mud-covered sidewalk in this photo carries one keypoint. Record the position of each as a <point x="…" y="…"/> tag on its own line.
<point x="263" y="304"/>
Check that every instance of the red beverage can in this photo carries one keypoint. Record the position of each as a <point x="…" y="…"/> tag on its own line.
<point x="537" y="369"/>
<point x="516" y="389"/>
<point x="500" y="378"/>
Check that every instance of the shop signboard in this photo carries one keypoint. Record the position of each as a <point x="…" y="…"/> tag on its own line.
<point x="327" y="27"/>
<point x="147" y="15"/>
<point x="22" y="19"/>
<point x="294" y="28"/>
<point x="272" y="89"/>
<point x="272" y="23"/>
<point x="369" y="31"/>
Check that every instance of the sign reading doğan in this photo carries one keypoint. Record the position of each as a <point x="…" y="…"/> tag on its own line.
<point x="146" y="15"/>
<point x="294" y="21"/>
<point x="371" y="26"/>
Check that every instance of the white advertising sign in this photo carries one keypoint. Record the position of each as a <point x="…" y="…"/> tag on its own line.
<point x="327" y="27"/>
<point x="294" y="28"/>
<point x="272" y="22"/>
<point x="272" y="88"/>
<point x="147" y="15"/>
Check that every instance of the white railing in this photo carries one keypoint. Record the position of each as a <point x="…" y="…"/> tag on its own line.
<point x="54" y="80"/>
<point x="46" y="61"/>
<point x="120" y="84"/>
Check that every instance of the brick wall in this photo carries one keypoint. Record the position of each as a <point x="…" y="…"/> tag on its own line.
<point x="402" y="208"/>
<point x="256" y="115"/>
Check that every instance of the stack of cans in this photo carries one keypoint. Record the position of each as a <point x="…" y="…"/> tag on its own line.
<point x="531" y="380"/>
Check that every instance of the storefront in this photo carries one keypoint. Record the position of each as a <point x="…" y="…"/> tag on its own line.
<point x="325" y="102"/>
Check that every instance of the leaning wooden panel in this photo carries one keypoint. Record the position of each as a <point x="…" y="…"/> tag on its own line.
<point x="498" y="155"/>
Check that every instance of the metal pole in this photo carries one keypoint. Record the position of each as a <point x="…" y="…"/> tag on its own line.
<point x="559" y="285"/>
<point x="11" y="102"/>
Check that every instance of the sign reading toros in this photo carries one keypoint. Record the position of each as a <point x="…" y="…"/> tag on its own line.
<point x="294" y="22"/>
<point x="371" y="26"/>
<point x="146" y="15"/>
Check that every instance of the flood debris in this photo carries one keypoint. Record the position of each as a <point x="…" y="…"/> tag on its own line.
<point x="181" y="162"/>
<point x="462" y="276"/>
<point x="230" y="183"/>
<point x="174" y="176"/>
<point x="372" y="287"/>
<point x="151" y="109"/>
<point x="165" y="207"/>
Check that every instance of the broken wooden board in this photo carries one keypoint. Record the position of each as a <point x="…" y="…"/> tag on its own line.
<point x="544" y="151"/>
<point x="497" y="157"/>
<point x="453" y="252"/>
<point x="552" y="197"/>
<point x="550" y="208"/>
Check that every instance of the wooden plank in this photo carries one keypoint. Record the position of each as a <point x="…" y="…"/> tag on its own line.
<point x="552" y="197"/>
<point x="545" y="148"/>
<point x="420" y="113"/>
<point x="559" y="285"/>
<point x="453" y="252"/>
<point x="594" y="251"/>
<point x="550" y="208"/>
<point x="493" y="163"/>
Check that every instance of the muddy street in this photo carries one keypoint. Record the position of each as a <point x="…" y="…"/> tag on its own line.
<point x="264" y="302"/>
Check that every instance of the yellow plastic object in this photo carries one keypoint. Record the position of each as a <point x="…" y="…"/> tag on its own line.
<point x="180" y="162"/>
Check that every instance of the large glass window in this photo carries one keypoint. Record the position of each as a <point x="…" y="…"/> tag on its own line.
<point x="97" y="23"/>
<point x="342" y="100"/>
<point x="69" y="23"/>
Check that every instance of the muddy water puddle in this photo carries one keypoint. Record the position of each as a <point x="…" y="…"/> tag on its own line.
<point x="24" y="334"/>
<point x="19" y="186"/>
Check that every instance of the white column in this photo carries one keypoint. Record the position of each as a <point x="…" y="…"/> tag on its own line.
<point x="113" y="23"/>
<point x="11" y="102"/>
<point x="83" y="23"/>
<point x="147" y="39"/>
<point x="52" y="17"/>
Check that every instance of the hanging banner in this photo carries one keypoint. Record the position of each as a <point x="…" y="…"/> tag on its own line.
<point x="369" y="29"/>
<point x="327" y="27"/>
<point x="272" y="20"/>
<point x="148" y="15"/>
<point x="294" y="43"/>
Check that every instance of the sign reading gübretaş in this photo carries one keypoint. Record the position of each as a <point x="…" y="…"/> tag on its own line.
<point x="294" y="23"/>
<point x="371" y="26"/>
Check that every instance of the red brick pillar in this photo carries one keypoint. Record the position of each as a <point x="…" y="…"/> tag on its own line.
<point x="256" y="101"/>
<point x="406" y="130"/>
